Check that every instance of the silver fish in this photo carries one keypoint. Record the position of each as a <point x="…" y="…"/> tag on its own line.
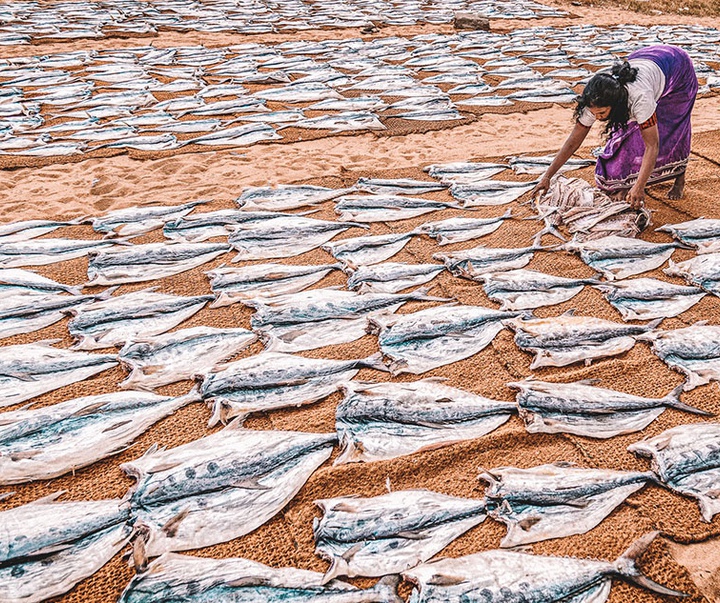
<point x="421" y="341"/>
<point x="40" y="252"/>
<point x="299" y="93"/>
<point x="366" y="250"/>
<point x="341" y="122"/>
<point x="37" y="579"/>
<point x="139" y="220"/>
<point x="398" y="186"/>
<point x="161" y="142"/>
<point x="563" y="340"/>
<point x="114" y="321"/>
<point x="702" y="270"/>
<point x="388" y="534"/>
<point x="489" y="192"/>
<point x="156" y="361"/>
<point x="275" y="380"/>
<point x="620" y="257"/>
<point x="593" y="412"/>
<point x="464" y="172"/>
<point x="457" y="230"/>
<point x="17" y="280"/>
<point x="686" y="459"/>
<point x="149" y="261"/>
<point x="54" y="440"/>
<point x="30" y="229"/>
<point x="222" y="486"/>
<point x="199" y="227"/>
<point x="485" y="101"/>
<point x="648" y="298"/>
<point x="283" y="237"/>
<point x="385" y="208"/>
<point x="391" y="277"/>
<point x="553" y="501"/>
<point x="702" y="233"/>
<point x="387" y="420"/>
<point x="358" y="103"/>
<point x="529" y="289"/>
<point x="499" y="576"/>
<point x="694" y="351"/>
<point x="237" y="135"/>
<point x="201" y="579"/>
<point x="525" y="164"/>
<point x="31" y="369"/>
<point x="286" y="197"/>
<point x="472" y="263"/>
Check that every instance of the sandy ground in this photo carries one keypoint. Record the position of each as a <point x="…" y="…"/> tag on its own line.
<point x="685" y="559"/>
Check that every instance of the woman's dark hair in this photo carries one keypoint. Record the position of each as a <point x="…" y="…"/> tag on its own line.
<point x="609" y="90"/>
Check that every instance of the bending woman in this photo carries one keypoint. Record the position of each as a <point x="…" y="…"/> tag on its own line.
<point x="646" y="103"/>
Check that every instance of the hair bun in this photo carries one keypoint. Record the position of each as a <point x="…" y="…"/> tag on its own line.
<point x="624" y="73"/>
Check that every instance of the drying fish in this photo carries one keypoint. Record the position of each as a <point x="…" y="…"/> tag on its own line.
<point x="648" y="298"/>
<point x="390" y="533"/>
<point x="341" y="122"/>
<point x="320" y="317"/>
<point x="32" y="310"/>
<point x="161" y="142"/>
<point x="31" y="369"/>
<point x="424" y="340"/>
<point x="40" y="252"/>
<point x="199" y="579"/>
<point x="620" y="257"/>
<point x="149" y="261"/>
<point x="703" y="234"/>
<point x="283" y="237"/>
<point x="565" y="339"/>
<point x="299" y="93"/>
<point x="486" y="101"/>
<point x="112" y="322"/>
<point x="457" y="230"/>
<point x="687" y="460"/>
<point x="203" y="226"/>
<point x="464" y="173"/>
<point x="383" y="421"/>
<point x="593" y="412"/>
<point x="29" y="229"/>
<point x="392" y="277"/>
<point x="156" y="361"/>
<point x="358" y="103"/>
<point x="237" y="135"/>
<point x="139" y="220"/>
<point x="366" y="250"/>
<point x="539" y="165"/>
<point x="553" y="501"/>
<point x="220" y="487"/>
<point x="57" y="439"/>
<point x="231" y="285"/>
<point x="286" y="197"/>
<point x="500" y="576"/>
<point x="446" y="115"/>
<point x="44" y="558"/>
<point x="480" y="260"/>
<point x="489" y="192"/>
<point x="694" y="351"/>
<point x="273" y="380"/>
<point x="385" y="208"/>
<point x="527" y="289"/>
<point x="401" y="186"/>
<point x="17" y="280"/>
<point x="702" y="270"/>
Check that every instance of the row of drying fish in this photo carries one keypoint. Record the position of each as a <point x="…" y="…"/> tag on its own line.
<point x="374" y="421"/>
<point x="27" y="22"/>
<point x="199" y="494"/>
<point x="109" y="95"/>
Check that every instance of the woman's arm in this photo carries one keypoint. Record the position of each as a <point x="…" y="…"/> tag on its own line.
<point x="572" y="144"/>
<point x="651" y="138"/>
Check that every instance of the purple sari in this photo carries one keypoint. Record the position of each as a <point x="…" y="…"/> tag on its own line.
<point x="618" y="165"/>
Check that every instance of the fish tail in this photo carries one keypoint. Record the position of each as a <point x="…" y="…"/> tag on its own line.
<point x="626" y="567"/>
<point x="338" y="567"/>
<point x="376" y="362"/>
<point x="673" y="401"/>
<point x="387" y="586"/>
<point x="653" y="324"/>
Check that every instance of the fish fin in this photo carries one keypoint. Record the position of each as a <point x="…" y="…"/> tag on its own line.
<point x="56" y="548"/>
<point x="376" y="362"/>
<point x="250" y="484"/>
<point x="338" y="567"/>
<point x="653" y="324"/>
<point x="140" y="537"/>
<point x="103" y="295"/>
<point x="673" y="401"/>
<point x="89" y="410"/>
<point x="236" y="423"/>
<point x="445" y="580"/>
<point x="527" y="523"/>
<point x="570" y="312"/>
<point x="163" y="467"/>
<point x="49" y="498"/>
<point x="407" y="535"/>
<point x="246" y="581"/>
<point x="117" y="425"/>
<point x="171" y="526"/>
<point x="626" y="567"/>
<point x="587" y="382"/>
<point x="5" y="495"/>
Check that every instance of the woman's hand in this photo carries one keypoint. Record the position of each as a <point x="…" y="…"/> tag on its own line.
<point x="541" y="187"/>
<point x="636" y="197"/>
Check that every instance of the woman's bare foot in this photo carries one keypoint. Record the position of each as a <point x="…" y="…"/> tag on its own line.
<point x="676" y="192"/>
